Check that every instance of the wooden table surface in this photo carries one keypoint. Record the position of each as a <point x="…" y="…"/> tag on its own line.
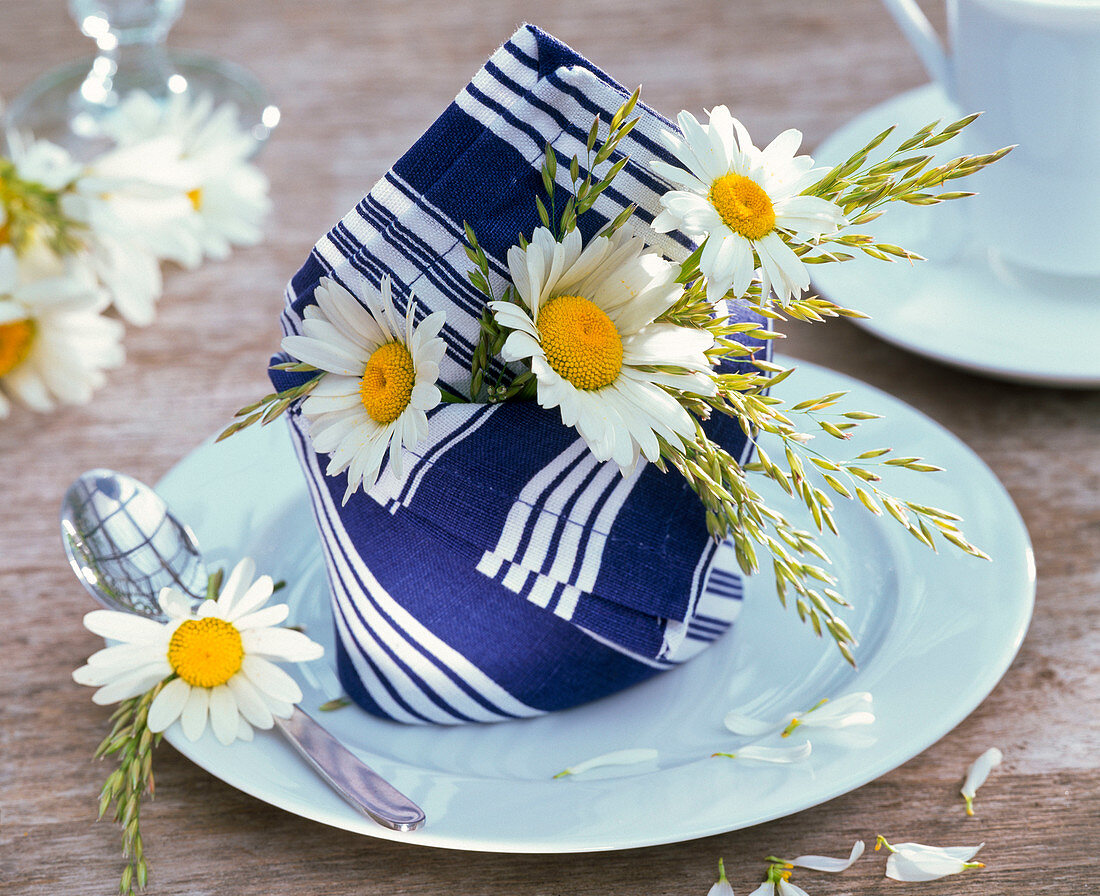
<point x="357" y="83"/>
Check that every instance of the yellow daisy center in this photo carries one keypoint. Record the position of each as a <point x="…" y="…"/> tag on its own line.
<point x="206" y="652"/>
<point x="15" y="344"/>
<point x="580" y="342"/>
<point x="387" y="383"/>
<point x="195" y="196"/>
<point x="743" y="206"/>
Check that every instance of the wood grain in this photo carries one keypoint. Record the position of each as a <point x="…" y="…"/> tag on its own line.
<point x="357" y="83"/>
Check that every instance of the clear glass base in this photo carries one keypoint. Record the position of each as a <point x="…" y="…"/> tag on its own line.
<point x="67" y="104"/>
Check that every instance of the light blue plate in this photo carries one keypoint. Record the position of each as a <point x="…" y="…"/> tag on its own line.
<point x="936" y="632"/>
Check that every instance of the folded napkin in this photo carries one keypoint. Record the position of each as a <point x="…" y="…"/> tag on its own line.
<point x="507" y="573"/>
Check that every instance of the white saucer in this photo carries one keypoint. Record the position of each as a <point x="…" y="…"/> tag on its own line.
<point x="936" y="632"/>
<point x="965" y="306"/>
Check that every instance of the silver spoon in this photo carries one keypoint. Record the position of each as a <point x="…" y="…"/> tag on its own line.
<point x="124" y="545"/>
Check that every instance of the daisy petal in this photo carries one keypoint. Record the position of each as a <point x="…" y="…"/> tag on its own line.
<point x="775" y="755"/>
<point x="175" y="604"/>
<point x="238" y="581"/>
<point x="917" y="862"/>
<point x="129" y="685"/>
<point x="270" y="680"/>
<point x="118" y="626"/>
<point x="280" y="644"/>
<point x="424" y="397"/>
<point x="254" y="597"/>
<point x="828" y="863"/>
<point x="975" y="775"/>
<point x="273" y="615"/>
<point x="250" y="702"/>
<point x="168" y="704"/>
<point x="322" y="356"/>
<point x="616" y="757"/>
<point x="223" y="714"/>
<point x="785" y="144"/>
<point x="193" y="715"/>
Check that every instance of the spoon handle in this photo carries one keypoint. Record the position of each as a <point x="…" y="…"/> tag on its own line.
<point x="357" y="783"/>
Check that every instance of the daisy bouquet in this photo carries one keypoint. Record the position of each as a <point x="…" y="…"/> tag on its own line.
<point x="603" y="310"/>
<point x="628" y="346"/>
<point x="78" y="240"/>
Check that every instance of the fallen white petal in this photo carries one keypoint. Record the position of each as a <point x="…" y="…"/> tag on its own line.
<point x="616" y="757"/>
<point x="917" y="862"/>
<point x="777" y="755"/>
<point x="827" y="863"/>
<point x="786" y="888"/>
<point x="722" y="886"/>
<point x="977" y="773"/>
<point x="842" y="712"/>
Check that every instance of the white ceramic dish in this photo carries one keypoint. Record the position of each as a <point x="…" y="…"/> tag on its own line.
<point x="937" y="632"/>
<point x="966" y="305"/>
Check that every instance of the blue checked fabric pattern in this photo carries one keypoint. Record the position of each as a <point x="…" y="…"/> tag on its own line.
<point x="507" y="574"/>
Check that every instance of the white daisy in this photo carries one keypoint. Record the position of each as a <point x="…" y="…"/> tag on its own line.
<point x="133" y="202"/>
<point x="138" y="194"/>
<point x="379" y="380"/>
<point x="229" y="196"/>
<point x="218" y="658"/>
<point x="117" y="253"/>
<point x="54" y="343"/>
<point x="230" y="200"/>
<point x="743" y="200"/>
<point x="589" y="334"/>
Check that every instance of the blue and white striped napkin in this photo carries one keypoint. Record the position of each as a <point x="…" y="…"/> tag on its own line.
<point x="507" y="573"/>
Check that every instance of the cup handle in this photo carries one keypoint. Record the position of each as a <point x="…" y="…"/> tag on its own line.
<point x="920" y="33"/>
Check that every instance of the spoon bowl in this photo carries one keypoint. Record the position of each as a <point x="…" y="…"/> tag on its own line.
<point x="125" y="545"/>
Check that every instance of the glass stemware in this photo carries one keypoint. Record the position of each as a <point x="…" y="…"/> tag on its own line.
<point x="67" y="105"/>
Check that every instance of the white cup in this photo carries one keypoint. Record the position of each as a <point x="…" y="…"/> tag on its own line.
<point x="1033" y="68"/>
